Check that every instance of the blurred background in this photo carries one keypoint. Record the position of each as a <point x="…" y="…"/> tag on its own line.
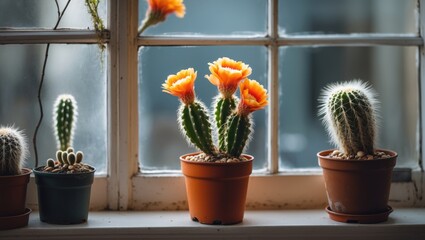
<point x="303" y="71"/>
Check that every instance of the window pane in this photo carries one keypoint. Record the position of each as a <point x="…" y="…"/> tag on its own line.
<point x="213" y="17"/>
<point x="305" y="71"/>
<point x="347" y="16"/>
<point x="161" y="142"/>
<point x="73" y="69"/>
<point x="43" y="14"/>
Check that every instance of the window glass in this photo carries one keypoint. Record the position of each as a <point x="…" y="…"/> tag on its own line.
<point x="218" y="17"/>
<point x="43" y="14"/>
<point x="72" y="69"/>
<point x="392" y="72"/>
<point x="161" y="142"/>
<point x="347" y="16"/>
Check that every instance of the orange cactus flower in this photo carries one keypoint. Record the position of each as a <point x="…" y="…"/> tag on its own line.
<point x="181" y="85"/>
<point x="253" y="97"/>
<point x="158" y="11"/>
<point x="226" y="74"/>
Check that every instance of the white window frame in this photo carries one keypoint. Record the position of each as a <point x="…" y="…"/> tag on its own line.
<point x="124" y="188"/>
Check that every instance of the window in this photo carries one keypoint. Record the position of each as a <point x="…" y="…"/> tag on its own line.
<point x="294" y="48"/>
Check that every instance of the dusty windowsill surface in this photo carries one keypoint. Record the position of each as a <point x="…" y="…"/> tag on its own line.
<point x="407" y="223"/>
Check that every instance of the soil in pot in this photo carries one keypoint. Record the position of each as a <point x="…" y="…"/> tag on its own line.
<point x="358" y="187"/>
<point x="63" y="198"/>
<point x="216" y="191"/>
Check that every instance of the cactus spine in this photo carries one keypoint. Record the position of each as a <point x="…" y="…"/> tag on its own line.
<point x="194" y="122"/>
<point x="13" y="151"/>
<point x="224" y="107"/>
<point x="65" y="117"/>
<point x="239" y="130"/>
<point x="349" y="114"/>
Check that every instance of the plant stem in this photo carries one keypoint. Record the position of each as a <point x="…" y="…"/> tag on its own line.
<point x="43" y="72"/>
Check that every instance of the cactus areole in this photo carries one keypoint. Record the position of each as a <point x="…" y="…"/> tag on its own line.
<point x="349" y="114"/>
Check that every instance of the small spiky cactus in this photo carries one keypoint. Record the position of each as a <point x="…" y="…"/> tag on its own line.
<point x="13" y="151"/>
<point x="64" y="118"/>
<point x="67" y="161"/>
<point x="349" y="113"/>
<point x="194" y="122"/>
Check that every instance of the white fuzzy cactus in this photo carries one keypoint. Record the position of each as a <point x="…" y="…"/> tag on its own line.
<point x="349" y="113"/>
<point x="13" y="151"/>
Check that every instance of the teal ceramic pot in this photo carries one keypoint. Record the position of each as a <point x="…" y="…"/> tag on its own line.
<point x="63" y="198"/>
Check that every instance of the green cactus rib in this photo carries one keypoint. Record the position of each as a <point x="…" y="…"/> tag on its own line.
<point x="65" y="117"/>
<point x="195" y="122"/>
<point x="223" y="109"/>
<point x="352" y="116"/>
<point x="239" y="130"/>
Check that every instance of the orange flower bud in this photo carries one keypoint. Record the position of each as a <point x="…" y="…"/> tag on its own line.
<point x="181" y="85"/>
<point x="253" y="97"/>
<point x="226" y="74"/>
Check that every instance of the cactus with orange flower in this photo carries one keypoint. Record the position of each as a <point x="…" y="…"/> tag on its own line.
<point x="232" y="116"/>
<point x="158" y="11"/>
<point x="194" y="120"/>
<point x="226" y="74"/>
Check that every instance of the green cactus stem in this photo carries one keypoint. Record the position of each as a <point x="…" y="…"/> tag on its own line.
<point x="79" y="156"/>
<point x="239" y="130"/>
<point x="349" y="111"/>
<point x="50" y="163"/>
<point x="13" y="151"/>
<point x="65" y="117"/>
<point x="224" y="107"/>
<point x="194" y="122"/>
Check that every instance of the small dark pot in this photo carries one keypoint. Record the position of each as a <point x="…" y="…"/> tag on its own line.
<point x="13" y="192"/>
<point x="63" y="198"/>
<point x="358" y="188"/>
<point x="216" y="192"/>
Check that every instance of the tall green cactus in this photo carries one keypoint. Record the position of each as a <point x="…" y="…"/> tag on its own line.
<point x="195" y="123"/>
<point x="239" y="130"/>
<point x="349" y="114"/>
<point x="224" y="107"/>
<point x="13" y="151"/>
<point x="64" y="117"/>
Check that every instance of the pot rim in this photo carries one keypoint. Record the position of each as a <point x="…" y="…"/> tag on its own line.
<point x="321" y="155"/>
<point x="251" y="158"/>
<point x="26" y="171"/>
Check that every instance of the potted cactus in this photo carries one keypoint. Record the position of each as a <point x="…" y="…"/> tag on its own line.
<point x="217" y="177"/>
<point x="65" y="181"/>
<point x="13" y="179"/>
<point x="357" y="174"/>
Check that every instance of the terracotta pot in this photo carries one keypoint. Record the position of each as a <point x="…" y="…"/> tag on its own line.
<point x="13" y="193"/>
<point x="216" y="192"/>
<point x="358" y="187"/>
<point x="63" y="198"/>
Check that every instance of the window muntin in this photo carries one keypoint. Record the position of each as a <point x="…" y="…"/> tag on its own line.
<point x="304" y="72"/>
<point x="160" y="141"/>
<point x="43" y="14"/>
<point x="347" y="16"/>
<point x="218" y="17"/>
<point x="72" y="69"/>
